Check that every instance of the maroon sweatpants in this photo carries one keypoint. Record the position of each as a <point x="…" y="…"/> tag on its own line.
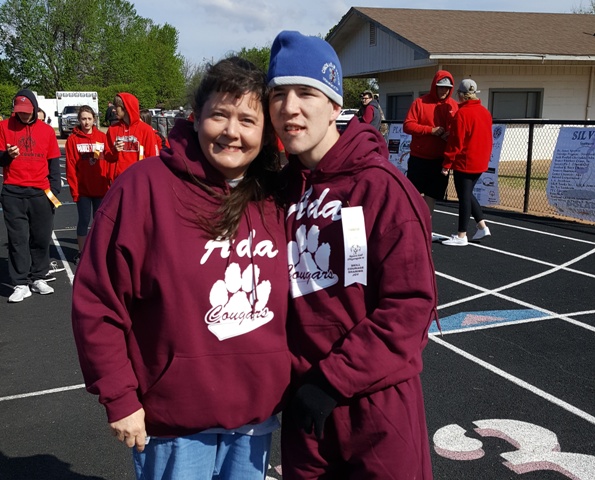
<point x="379" y="436"/>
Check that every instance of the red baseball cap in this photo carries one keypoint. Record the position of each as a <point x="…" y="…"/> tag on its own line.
<point x="22" y="104"/>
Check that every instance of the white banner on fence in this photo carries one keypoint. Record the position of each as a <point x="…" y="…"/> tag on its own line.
<point x="571" y="180"/>
<point x="398" y="146"/>
<point x="486" y="188"/>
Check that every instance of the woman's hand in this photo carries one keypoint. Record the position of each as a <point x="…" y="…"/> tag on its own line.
<point x="131" y="430"/>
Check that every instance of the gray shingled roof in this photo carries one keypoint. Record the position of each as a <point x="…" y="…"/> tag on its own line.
<point x="460" y="32"/>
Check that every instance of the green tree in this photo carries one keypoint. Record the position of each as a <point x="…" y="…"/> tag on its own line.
<point x="51" y="45"/>
<point x="589" y="9"/>
<point x="7" y="93"/>
<point x="258" y="56"/>
<point x="353" y="87"/>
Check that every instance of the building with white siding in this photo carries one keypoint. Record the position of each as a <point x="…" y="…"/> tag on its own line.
<point x="527" y="65"/>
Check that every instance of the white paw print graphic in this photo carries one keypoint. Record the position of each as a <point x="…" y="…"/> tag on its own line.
<point x="309" y="263"/>
<point x="239" y="302"/>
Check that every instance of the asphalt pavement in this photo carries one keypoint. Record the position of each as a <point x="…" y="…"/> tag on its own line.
<point x="509" y="383"/>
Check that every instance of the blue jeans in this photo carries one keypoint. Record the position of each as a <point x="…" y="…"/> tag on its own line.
<point x="204" y="456"/>
<point x="84" y="206"/>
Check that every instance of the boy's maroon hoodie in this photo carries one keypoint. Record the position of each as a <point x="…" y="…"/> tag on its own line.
<point x="191" y="329"/>
<point x="367" y="339"/>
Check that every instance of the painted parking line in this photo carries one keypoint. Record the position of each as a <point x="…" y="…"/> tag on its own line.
<point x="517" y="381"/>
<point x="42" y="392"/>
<point x="526" y="229"/>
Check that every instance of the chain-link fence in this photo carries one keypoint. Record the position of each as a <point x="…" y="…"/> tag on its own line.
<point x="527" y="152"/>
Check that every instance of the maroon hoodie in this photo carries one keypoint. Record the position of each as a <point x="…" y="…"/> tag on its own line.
<point x="427" y="112"/>
<point x="191" y="329"/>
<point x="366" y="339"/>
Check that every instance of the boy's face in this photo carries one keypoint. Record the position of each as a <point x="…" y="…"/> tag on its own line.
<point x="304" y="119"/>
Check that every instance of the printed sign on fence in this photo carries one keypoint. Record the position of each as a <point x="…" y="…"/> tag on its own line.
<point x="398" y="146"/>
<point x="571" y="180"/>
<point x="486" y="188"/>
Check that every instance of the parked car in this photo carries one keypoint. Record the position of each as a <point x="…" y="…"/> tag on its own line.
<point x="345" y="117"/>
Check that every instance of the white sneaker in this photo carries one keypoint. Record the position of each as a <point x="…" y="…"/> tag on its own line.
<point x="482" y="232"/>
<point x="438" y="238"/>
<point x="20" y="293"/>
<point x="41" y="287"/>
<point x="456" y="241"/>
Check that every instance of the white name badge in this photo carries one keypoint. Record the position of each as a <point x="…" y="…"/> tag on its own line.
<point x="355" y="244"/>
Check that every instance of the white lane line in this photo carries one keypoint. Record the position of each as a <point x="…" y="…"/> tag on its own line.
<point x="518" y="322"/>
<point x="487" y="292"/>
<point x="63" y="258"/>
<point x="534" y="260"/>
<point x="514" y="300"/>
<point x="52" y="390"/>
<point x="540" y="232"/>
<point x="42" y="392"/>
<point x="517" y="381"/>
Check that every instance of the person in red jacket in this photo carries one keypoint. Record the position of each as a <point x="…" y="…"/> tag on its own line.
<point x="179" y="307"/>
<point x="86" y="171"/>
<point x="130" y="139"/>
<point x="361" y="280"/>
<point x="468" y="154"/>
<point x="30" y="157"/>
<point x="428" y="122"/>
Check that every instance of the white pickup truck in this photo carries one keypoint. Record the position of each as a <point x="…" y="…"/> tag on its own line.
<point x="68" y="105"/>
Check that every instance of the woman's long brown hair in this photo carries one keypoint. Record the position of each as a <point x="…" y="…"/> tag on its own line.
<point x="239" y="77"/>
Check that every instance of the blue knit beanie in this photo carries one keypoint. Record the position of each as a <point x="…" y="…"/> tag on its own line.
<point x="300" y="60"/>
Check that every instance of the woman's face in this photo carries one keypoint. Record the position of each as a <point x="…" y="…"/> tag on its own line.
<point x="230" y="132"/>
<point x="86" y="121"/>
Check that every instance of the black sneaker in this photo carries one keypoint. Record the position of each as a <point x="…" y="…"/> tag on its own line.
<point x="77" y="259"/>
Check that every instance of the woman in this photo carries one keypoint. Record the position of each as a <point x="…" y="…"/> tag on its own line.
<point x="86" y="171"/>
<point x="179" y="307"/>
<point x="468" y="154"/>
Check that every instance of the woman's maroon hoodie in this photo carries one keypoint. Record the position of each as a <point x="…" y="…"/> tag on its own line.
<point x="191" y="329"/>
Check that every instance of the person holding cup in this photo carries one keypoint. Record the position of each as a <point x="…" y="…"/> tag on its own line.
<point x="130" y="139"/>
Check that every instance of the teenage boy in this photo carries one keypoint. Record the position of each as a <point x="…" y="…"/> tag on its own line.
<point x="30" y="156"/>
<point x="362" y="282"/>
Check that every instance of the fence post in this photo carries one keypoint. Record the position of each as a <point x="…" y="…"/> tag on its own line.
<point x="528" y="171"/>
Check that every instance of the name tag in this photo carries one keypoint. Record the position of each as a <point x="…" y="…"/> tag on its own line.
<point x="355" y="245"/>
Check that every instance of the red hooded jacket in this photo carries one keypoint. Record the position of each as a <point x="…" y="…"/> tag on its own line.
<point x="86" y="174"/>
<point x="470" y="142"/>
<point x="37" y="167"/>
<point x="139" y="138"/>
<point x="427" y="112"/>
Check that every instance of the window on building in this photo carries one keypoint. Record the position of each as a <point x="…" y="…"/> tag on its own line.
<point x="397" y="106"/>
<point x="516" y="103"/>
<point x="372" y="34"/>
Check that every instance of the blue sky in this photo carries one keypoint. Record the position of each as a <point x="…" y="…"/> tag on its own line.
<point x="210" y="28"/>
